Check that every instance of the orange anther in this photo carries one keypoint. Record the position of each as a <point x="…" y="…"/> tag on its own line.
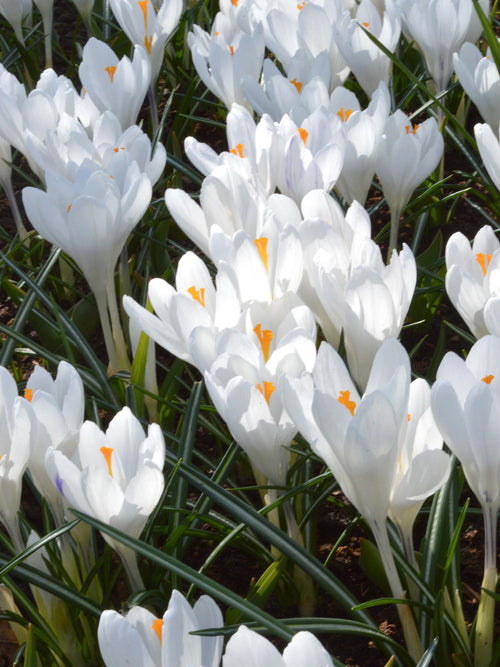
<point x="198" y="294"/>
<point x="265" y="337"/>
<point x="262" y="248"/>
<point x="237" y="150"/>
<point x="303" y="134"/>
<point x="267" y="391"/>
<point x="344" y="114"/>
<point x="111" y="71"/>
<point x="344" y="399"/>
<point x="483" y="261"/>
<point x="157" y="627"/>
<point x="106" y="452"/>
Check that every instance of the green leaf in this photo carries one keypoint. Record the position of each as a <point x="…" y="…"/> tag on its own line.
<point x="183" y="571"/>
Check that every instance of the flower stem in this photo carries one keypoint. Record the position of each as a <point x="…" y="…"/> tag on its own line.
<point x="393" y="239"/>
<point x="47" y="18"/>
<point x="304" y="582"/>
<point x="118" y="338"/>
<point x="129" y="560"/>
<point x="409" y="552"/>
<point x="483" y="646"/>
<point x="16" y="214"/>
<point x="410" y="632"/>
<point x="106" y="330"/>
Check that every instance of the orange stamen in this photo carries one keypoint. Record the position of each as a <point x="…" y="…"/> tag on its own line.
<point x="366" y="24"/>
<point x="265" y="337"/>
<point x="231" y="48"/>
<point x="481" y="257"/>
<point x="301" y="6"/>
<point x="414" y="131"/>
<point x="268" y="390"/>
<point x="262" y="248"/>
<point x="28" y="394"/>
<point x="198" y="294"/>
<point x="157" y="627"/>
<point x="344" y="400"/>
<point x="344" y="114"/>
<point x="69" y="208"/>
<point x="487" y="379"/>
<point x="111" y="71"/>
<point x="235" y="2"/>
<point x="106" y="452"/>
<point x="143" y="4"/>
<point x="297" y="84"/>
<point x="237" y="150"/>
<point x="303" y="134"/>
<point x="409" y="417"/>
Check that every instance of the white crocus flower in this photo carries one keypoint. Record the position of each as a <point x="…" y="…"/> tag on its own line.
<point x="224" y="57"/>
<point x="263" y="268"/>
<point x="116" y="477"/>
<point x="90" y="218"/>
<point x="115" y="85"/>
<point x="406" y="155"/>
<point x="366" y="60"/>
<point x="246" y="139"/>
<point x="466" y="406"/>
<point x="308" y="26"/>
<point x="142" y="639"/>
<point x="248" y="647"/>
<point x="473" y="280"/>
<point x="145" y="25"/>
<point x="58" y="406"/>
<point x="232" y="197"/>
<point x="67" y="147"/>
<point x="244" y="373"/>
<point x="363" y="297"/>
<point x="423" y="466"/>
<point x="363" y="130"/>
<point x="40" y="111"/>
<point x="489" y="149"/>
<point x="360" y="439"/>
<point x="194" y="302"/>
<point x="479" y="77"/>
<point x="16" y="424"/>
<point x="304" y="89"/>
<point x="313" y="153"/>
<point x="439" y="28"/>
<point x="325" y="228"/>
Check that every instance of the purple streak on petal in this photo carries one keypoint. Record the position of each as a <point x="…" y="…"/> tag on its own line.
<point x="59" y="484"/>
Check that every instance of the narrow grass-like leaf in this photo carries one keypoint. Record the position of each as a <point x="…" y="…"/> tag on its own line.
<point x="189" y="574"/>
<point x="77" y="339"/>
<point x="33" y="576"/>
